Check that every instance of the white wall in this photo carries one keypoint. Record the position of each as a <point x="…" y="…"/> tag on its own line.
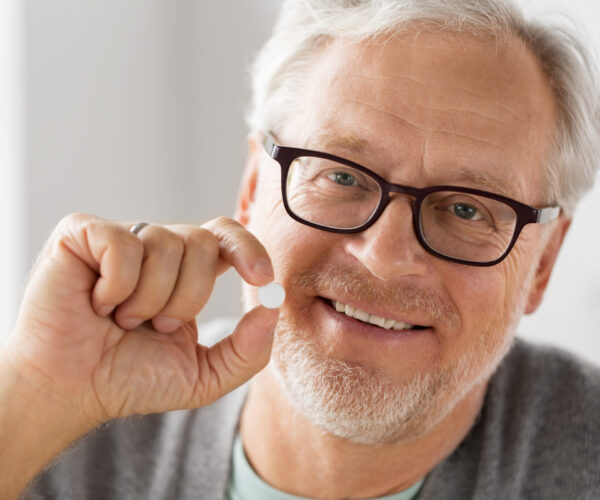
<point x="133" y="110"/>
<point x="570" y="313"/>
<point x="11" y="183"/>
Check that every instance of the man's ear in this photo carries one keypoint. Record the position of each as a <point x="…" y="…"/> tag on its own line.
<point x="546" y="264"/>
<point x="247" y="190"/>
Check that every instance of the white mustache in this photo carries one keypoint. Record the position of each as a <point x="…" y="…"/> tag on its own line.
<point x="402" y="298"/>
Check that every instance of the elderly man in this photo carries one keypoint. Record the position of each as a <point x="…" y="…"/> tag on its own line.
<point x="413" y="168"/>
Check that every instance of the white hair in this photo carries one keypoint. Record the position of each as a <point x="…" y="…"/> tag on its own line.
<point x="303" y="27"/>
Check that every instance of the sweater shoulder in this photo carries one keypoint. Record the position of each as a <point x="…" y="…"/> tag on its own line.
<point x="538" y="434"/>
<point x="167" y="455"/>
<point x="541" y="432"/>
<point x="541" y="377"/>
<point x="542" y="394"/>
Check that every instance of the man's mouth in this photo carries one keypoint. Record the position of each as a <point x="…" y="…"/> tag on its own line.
<point x="372" y="319"/>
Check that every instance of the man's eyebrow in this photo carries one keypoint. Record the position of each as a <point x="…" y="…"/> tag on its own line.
<point x="346" y="142"/>
<point x="486" y="180"/>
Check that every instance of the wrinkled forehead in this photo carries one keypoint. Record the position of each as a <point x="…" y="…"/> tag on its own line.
<point x="434" y="97"/>
<point x="501" y="74"/>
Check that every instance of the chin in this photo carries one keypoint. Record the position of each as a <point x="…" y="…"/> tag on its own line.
<point x="363" y="405"/>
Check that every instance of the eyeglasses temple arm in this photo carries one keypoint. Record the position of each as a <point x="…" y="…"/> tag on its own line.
<point x="268" y="143"/>
<point x="548" y="214"/>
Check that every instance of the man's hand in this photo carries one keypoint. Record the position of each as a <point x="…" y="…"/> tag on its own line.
<point x="107" y="324"/>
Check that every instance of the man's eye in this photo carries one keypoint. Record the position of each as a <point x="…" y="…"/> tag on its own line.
<point x="465" y="211"/>
<point x="343" y="178"/>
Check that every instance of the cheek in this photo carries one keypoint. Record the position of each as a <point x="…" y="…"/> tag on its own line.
<point x="477" y="293"/>
<point x="490" y="300"/>
<point x="481" y="296"/>
<point x="268" y="217"/>
<point x="290" y="245"/>
<point x="519" y="272"/>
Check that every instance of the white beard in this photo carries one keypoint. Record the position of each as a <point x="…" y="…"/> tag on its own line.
<point x="360" y="404"/>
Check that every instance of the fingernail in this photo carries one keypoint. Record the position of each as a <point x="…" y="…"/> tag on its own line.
<point x="130" y="323"/>
<point x="264" y="267"/>
<point x="105" y="310"/>
<point x="166" y="324"/>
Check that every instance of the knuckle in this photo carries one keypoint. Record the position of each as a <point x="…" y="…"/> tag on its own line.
<point x="222" y="221"/>
<point x="183" y="309"/>
<point x="76" y="219"/>
<point x="199" y="296"/>
<point x="132" y="248"/>
<point x="204" y="240"/>
<point x="94" y="226"/>
<point x="165" y="243"/>
<point x="173" y="246"/>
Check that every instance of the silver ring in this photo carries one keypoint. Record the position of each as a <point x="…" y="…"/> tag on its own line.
<point x="138" y="227"/>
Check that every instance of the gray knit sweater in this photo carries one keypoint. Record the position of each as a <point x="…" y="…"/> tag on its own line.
<point x="537" y="437"/>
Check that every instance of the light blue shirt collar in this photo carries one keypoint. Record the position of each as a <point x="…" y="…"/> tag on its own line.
<point x="246" y="485"/>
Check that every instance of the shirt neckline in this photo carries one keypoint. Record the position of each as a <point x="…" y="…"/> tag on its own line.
<point x="245" y="484"/>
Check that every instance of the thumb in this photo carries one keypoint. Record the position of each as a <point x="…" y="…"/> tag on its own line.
<point x="238" y="357"/>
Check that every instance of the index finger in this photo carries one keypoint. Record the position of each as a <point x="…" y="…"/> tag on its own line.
<point x="239" y="248"/>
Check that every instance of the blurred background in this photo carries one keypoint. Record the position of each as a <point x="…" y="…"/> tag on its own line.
<point x="135" y="111"/>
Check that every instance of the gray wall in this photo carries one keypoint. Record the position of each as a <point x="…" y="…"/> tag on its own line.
<point x="134" y="110"/>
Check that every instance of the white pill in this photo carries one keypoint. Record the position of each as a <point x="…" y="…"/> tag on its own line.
<point x="271" y="295"/>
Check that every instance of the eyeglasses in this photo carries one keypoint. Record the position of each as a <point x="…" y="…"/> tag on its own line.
<point x="459" y="224"/>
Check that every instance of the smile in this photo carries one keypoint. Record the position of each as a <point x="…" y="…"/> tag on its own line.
<point x="365" y="317"/>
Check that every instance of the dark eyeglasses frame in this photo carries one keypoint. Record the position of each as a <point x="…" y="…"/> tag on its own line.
<point x="526" y="214"/>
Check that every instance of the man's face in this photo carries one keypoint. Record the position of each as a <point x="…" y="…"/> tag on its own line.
<point x="421" y="110"/>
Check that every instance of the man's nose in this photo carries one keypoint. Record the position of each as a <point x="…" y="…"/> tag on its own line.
<point x="389" y="249"/>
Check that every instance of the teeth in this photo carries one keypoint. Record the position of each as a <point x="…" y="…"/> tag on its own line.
<point x="361" y="315"/>
<point x="386" y="323"/>
<point x="377" y="320"/>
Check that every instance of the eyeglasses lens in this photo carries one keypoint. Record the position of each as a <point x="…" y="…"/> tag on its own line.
<point x="467" y="227"/>
<point x="330" y="194"/>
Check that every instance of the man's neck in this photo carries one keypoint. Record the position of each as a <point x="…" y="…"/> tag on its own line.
<point x="288" y="452"/>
